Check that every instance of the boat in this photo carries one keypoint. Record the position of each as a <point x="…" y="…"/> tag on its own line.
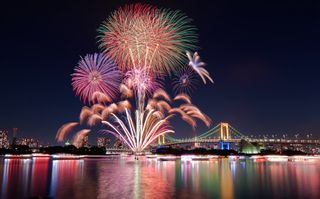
<point x="18" y="156"/>
<point x="151" y="156"/>
<point x="277" y="158"/>
<point x="167" y="158"/>
<point x="258" y="158"/>
<point x="40" y="155"/>
<point x="66" y="157"/>
<point x="302" y="158"/>
<point x="200" y="158"/>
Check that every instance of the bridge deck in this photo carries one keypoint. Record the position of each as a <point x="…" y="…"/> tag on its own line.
<point x="265" y="141"/>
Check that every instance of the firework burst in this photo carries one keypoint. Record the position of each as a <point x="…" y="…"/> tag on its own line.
<point x="198" y="66"/>
<point x="184" y="81"/>
<point x="146" y="43"/>
<point x="143" y="81"/>
<point x="139" y="134"/>
<point x="138" y="35"/>
<point x="96" y="73"/>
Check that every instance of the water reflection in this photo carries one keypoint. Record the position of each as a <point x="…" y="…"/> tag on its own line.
<point x="40" y="176"/>
<point x="66" y="174"/>
<point x="226" y="180"/>
<point x="136" y="179"/>
<point x="120" y="178"/>
<point x="207" y="179"/>
<point x="16" y="174"/>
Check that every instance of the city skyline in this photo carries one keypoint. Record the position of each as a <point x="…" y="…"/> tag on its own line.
<point x="264" y="68"/>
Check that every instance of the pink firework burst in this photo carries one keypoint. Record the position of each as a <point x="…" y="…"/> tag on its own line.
<point x="143" y="80"/>
<point x="184" y="81"/>
<point x="96" y="73"/>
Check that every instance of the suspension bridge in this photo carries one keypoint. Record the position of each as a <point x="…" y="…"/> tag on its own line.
<point x="224" y="135"/>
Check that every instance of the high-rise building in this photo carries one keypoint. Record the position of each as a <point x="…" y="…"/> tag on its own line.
<point x="4" y="142"/>
<point x="103" y="141"/>
<point x="14" y="136"/>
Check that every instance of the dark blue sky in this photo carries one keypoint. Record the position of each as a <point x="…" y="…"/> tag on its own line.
<point x="264" y="57"/>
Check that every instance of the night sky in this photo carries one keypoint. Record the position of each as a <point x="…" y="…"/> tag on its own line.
<point x="264" y="58"/>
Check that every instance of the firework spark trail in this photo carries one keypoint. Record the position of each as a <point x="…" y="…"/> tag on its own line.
<point x="160" y="93"/>
<point x="79" y="137"/>
<point x="163" y="106"/>
<point x="187" y="111"/>
<point x="141" y="35"/>
<point x="183" y="97"/>
<point x="184" y="116"/>
<point x="97" y="108"/>
<point x="112" y="108"/>
<point x="152" y="104"/>
<point x="85" y="114"/>
<point x="123" y="105"/>
<point x="193" y="111"/>
<point x="64" y="130"/>
<point x="94" y="119"/>
<point x="98" y="97"/>
<point x="105" y="113"/>
<point x="197" y="65"/>
<point x="115" y="108"/>
<point x="138" y="137"/>
<point x="125" y="91"/>
<point x="96" y="73"/>
<point x="159" y="114"/>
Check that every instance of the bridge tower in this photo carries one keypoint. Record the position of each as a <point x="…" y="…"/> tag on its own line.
<point x="224" y="135"/>
<point x="224" y="131"/>
<point x="161" y="139"/>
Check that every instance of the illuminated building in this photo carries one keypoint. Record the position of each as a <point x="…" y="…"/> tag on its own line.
<point x="30" y="142"/>
<point x="67" y="143"/>
<point x="4" y="142"/>
<point x="103" y="141"/>
<point x="118" y="143"/>
<point x="85" y="141"/>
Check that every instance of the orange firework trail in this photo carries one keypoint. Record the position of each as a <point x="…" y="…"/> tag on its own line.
<point x="79" y="137"/>
<point x="64" y="130"/>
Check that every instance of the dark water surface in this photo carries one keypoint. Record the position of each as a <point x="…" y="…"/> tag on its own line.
<point x="126" y="178"/>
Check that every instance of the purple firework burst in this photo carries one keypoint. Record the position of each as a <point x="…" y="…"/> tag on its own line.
<point x="96" y="73"/>
<point x="143" y="80"/>
<point x="184" y="81"/>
